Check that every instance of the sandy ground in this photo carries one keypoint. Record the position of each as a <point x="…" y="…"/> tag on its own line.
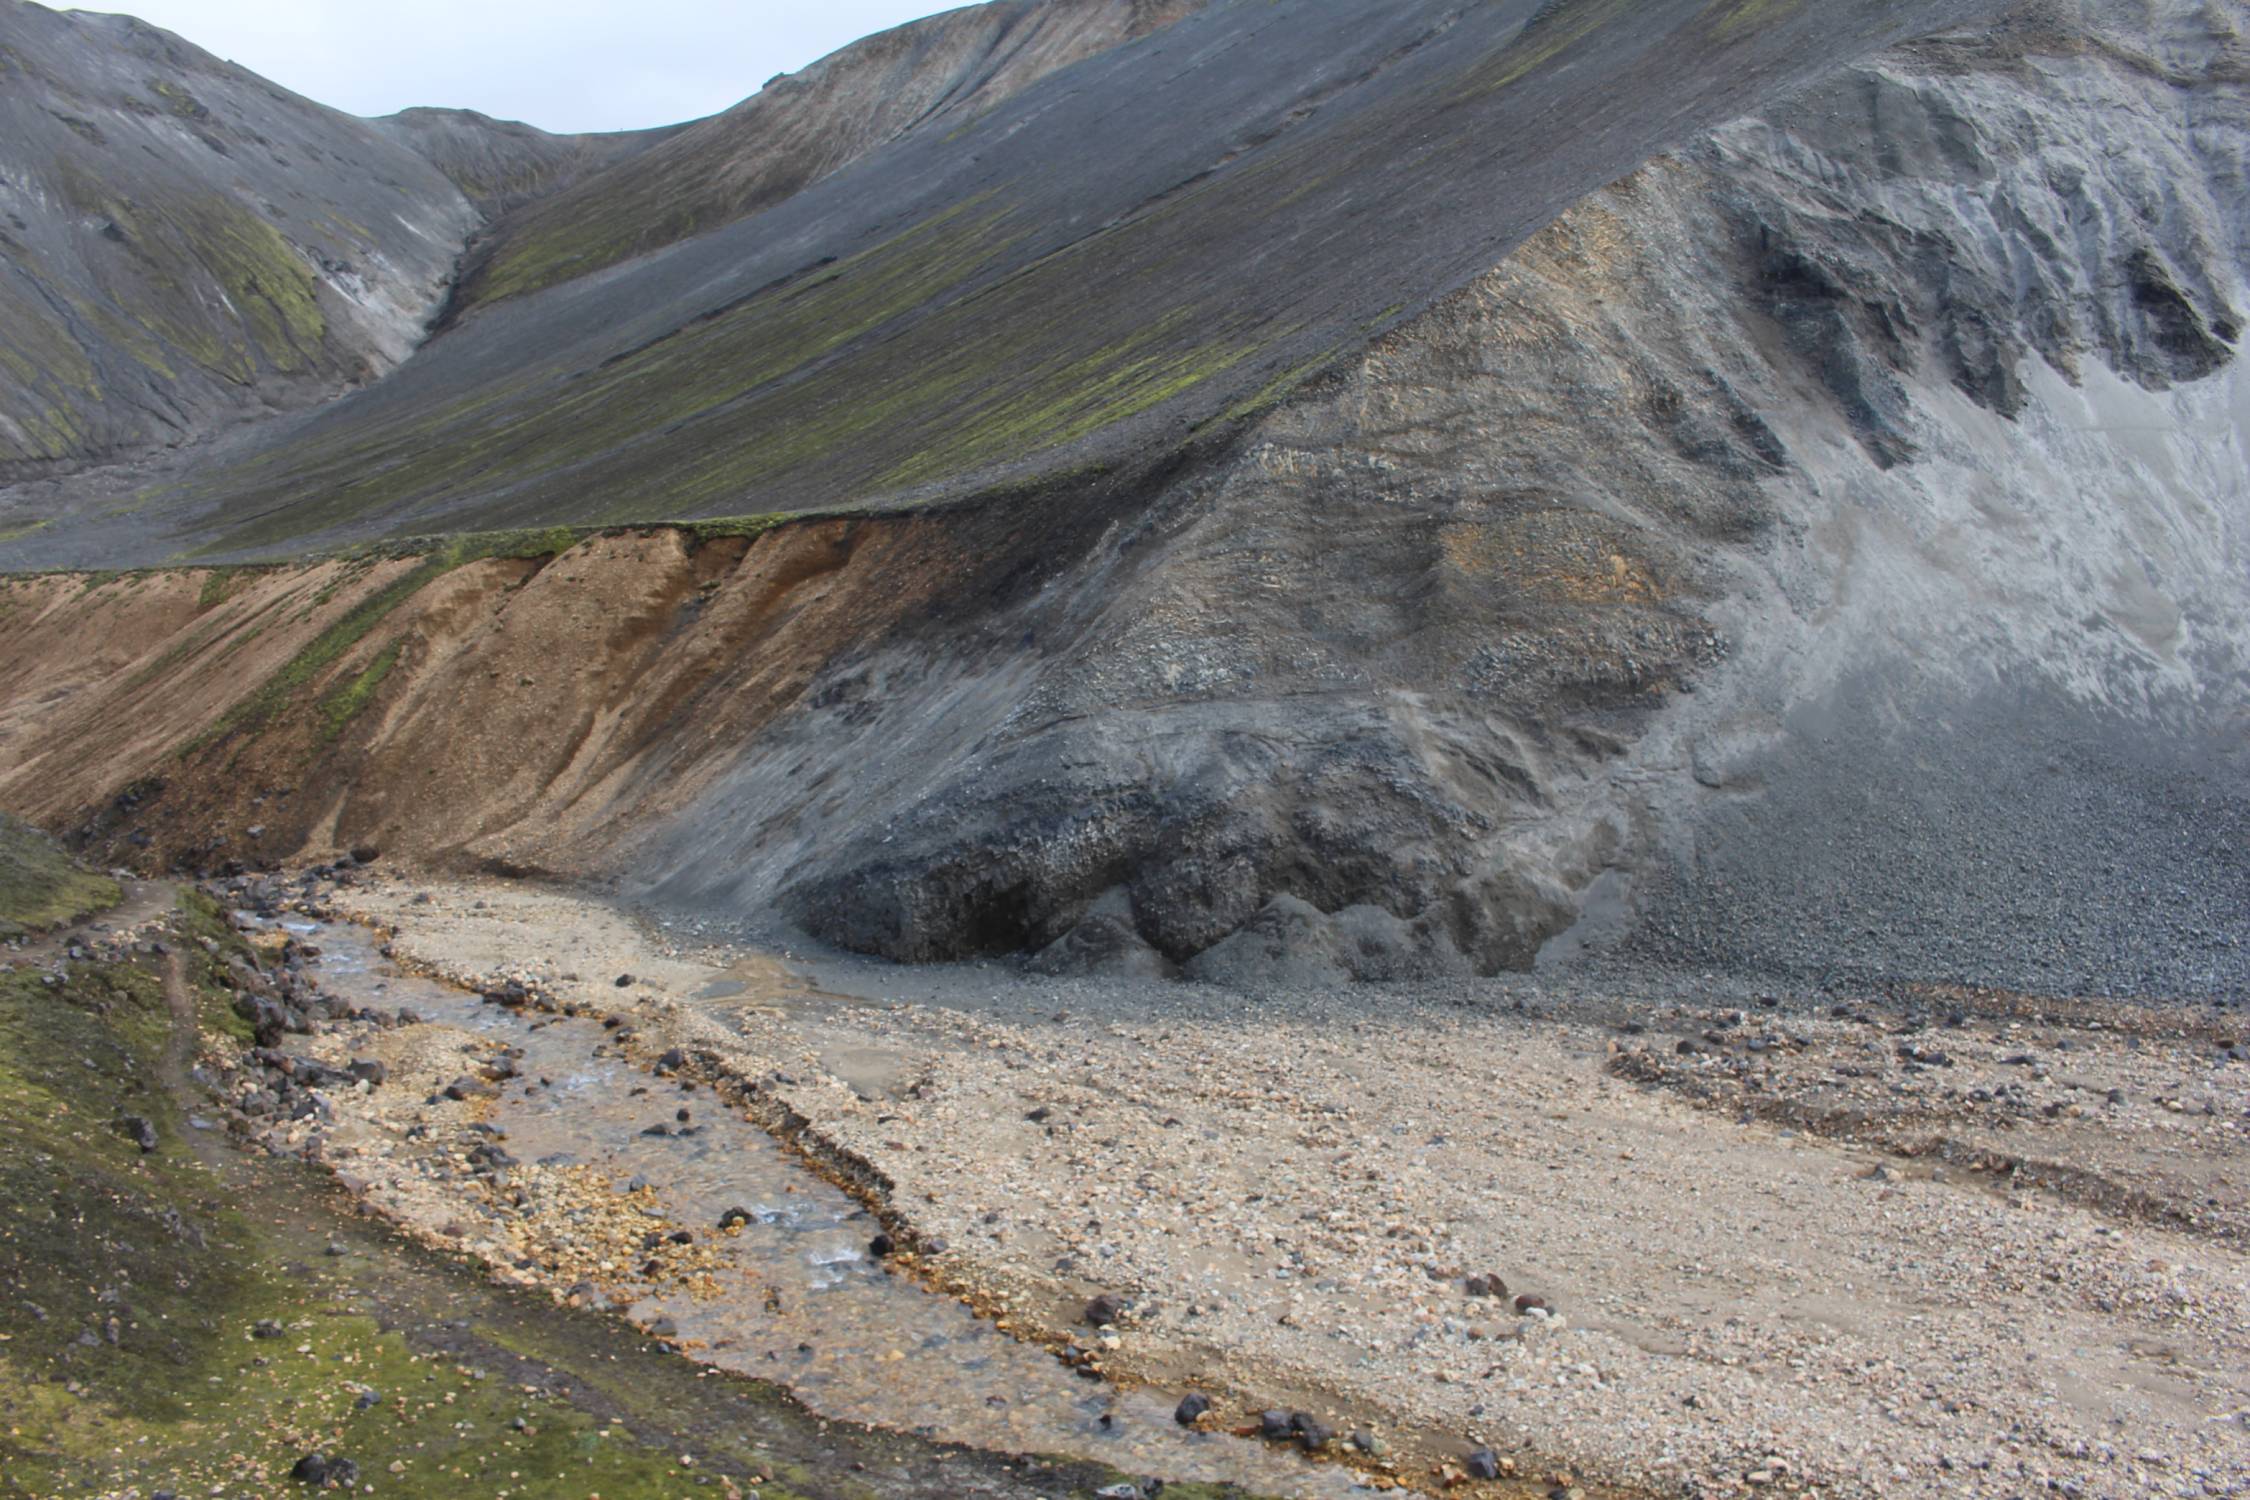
<point x="1291" y="1192"/>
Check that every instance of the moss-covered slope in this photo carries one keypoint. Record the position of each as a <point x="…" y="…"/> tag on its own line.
<point x="1090" y="271"/>
<point x="929" y="76"/>
<point x="183" y="244"/>
<point x="40" y="885"/>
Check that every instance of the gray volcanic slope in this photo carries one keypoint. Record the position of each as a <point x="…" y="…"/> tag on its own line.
<point x="929" y="75"/>
<point x="183" y="243"/>
<point x="504" y="164"/>
<point x="1428" y="489"/>
<point x="1824" y="553"/>
<point x="1133" y="247"/>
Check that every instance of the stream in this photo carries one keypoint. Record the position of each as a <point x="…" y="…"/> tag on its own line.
<point x="801" y="1301"/>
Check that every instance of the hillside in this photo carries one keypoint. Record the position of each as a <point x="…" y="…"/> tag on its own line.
<point x="1817" y="552"/>
<point x="184" y="245"/>
<point x="928" y="76"/>
<point x="505" y="164"/>
<point x="1288" y="747"/>
<point x="40" y="885"/>
<point x="1021" y="298"/>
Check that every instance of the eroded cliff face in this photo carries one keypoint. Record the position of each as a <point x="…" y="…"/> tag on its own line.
<point x="525" y="703"/>
<point x="1822" y="552"/>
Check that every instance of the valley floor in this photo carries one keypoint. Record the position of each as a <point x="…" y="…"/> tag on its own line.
<point x="1941" y="1244"/>
<point x="183" y="1314"/>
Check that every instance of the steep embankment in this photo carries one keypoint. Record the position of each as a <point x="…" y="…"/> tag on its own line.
<point x="1821" y="552"/>
<point x="493" y="704"/>
<point x="183" y="244"/>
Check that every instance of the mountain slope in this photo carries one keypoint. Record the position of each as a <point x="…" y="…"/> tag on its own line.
<point x="183" y="244"/>
<point x="1823" y="552"/>
<point x="929" y="74"/>
<point x="1144" y="244"/>
<point x="504" y="164"/>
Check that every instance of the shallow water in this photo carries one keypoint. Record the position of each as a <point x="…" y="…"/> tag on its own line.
<point x="802" y="1302"/>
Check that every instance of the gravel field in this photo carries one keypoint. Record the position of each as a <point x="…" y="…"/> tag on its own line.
<point x="1799" y="1256"/>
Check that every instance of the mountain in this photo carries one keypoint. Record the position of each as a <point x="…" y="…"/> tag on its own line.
<point x="1312" y="492"/>
<point x="505" y="164"/>
<point x="933" y="74"/>
<point x="256" y="285"/>
<point x="183" y="245"/>
<point x="1124" y="255"/>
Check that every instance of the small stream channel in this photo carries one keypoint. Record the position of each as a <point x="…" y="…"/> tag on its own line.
<point x="803" y="1303"/>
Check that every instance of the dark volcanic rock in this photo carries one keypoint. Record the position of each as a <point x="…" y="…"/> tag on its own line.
<point x="139" y="1131"/>
<point x="1105" y="943"/>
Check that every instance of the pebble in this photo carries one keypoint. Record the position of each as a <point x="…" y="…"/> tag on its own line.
<point x="140" y="1132"/>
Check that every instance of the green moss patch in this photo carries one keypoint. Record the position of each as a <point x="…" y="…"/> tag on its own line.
<point x="41" y="886"/>
<point x="208" y="961"/>
<point x="222" y="584"/>
<point x="1556" y="29"/>
<point x="324" y="651"/>
<point x="344" y="703"/>
<point x="1730" y="19"/>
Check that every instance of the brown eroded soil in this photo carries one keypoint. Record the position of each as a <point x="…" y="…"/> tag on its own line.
<point x="514" y="712"/>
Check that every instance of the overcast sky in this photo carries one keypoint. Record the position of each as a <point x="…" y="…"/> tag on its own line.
<point x="564" y="65"/>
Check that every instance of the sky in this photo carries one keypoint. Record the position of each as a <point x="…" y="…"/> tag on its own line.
<point x="563" y="65"/>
